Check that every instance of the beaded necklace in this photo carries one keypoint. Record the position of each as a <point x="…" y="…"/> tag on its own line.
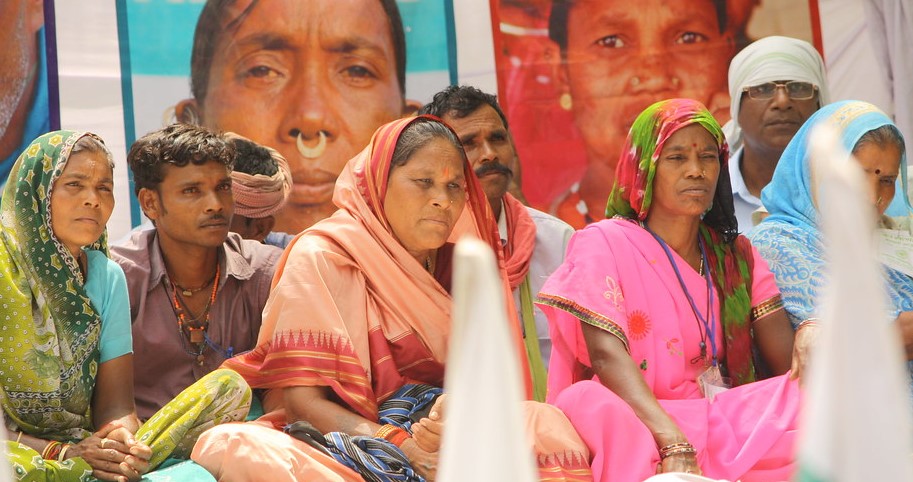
<point x="195" y="327"/>
<point x="190" y="291"/>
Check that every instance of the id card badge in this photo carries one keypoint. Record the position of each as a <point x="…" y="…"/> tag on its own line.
<point x="712" y="382"/>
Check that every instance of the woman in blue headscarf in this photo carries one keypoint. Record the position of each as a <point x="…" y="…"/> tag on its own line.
<point x="789" y="238"/>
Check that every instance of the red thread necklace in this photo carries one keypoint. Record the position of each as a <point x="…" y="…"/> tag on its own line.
<point x="194" y="328"/>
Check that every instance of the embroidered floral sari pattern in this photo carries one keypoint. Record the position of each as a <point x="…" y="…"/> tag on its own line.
<point x="613" y="292"/>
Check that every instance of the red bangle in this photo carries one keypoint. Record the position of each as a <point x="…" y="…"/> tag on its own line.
<point x="52" y="450"/>
<point x="398" y="437"/>
<point x="392" y="434"/>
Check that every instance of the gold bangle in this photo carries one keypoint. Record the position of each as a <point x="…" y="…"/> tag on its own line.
<point x="675" y="446"/>
<point x="680" y="451"/>
<point x="766" y="307"/>
<point x="676" y="449"/>
<point x="384" y="431"/>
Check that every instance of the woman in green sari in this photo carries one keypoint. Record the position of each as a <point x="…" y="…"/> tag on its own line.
<point x="66" y="363"/>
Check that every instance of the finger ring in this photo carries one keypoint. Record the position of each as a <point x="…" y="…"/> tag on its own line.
<point x="103" y="442"/>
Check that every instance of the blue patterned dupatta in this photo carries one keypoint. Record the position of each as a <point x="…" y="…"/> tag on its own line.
<point x="789" y="239"/>
<point x="790" y="196"/>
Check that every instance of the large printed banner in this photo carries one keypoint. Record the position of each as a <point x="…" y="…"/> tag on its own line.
<point x="575" y="73"/>
<point x="313" y="79"/>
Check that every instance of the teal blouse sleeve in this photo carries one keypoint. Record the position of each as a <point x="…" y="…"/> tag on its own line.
<point x="107" y="289"/>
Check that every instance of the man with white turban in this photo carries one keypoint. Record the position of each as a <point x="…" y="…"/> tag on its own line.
<point x="775" y="83"/>
<point x="261" y="182"/>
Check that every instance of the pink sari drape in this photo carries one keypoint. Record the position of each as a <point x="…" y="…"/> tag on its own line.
<point x="618" y="278"/>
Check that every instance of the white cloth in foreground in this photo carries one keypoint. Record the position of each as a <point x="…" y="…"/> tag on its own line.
<point x="856" y="418"/>
<point x="482" y="380"/>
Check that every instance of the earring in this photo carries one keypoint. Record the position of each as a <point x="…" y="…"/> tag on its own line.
<point x="565" y="101"/>
<point x="675" y="81"/>
<point x="635" y="81"/>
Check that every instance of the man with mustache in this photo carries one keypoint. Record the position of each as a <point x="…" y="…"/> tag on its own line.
<point x="534" y="242"/>
<point x="196" y="290"/>
<point x="775" y="84"/>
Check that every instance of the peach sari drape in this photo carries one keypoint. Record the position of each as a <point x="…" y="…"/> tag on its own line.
<point x="352" y="310"/>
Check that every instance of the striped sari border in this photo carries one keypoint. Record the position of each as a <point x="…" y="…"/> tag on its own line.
<point x="585" y="315"/>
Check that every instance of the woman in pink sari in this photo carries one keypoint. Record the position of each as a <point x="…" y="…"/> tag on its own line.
<point x="658" y="309"/>
<point x="359" y="317"/>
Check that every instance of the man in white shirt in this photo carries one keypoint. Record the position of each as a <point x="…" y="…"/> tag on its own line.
<point x="775" y="83"/>
<point x="534" y="242"/>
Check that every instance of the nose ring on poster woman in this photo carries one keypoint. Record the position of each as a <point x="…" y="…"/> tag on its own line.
<point x="311" y="152"/>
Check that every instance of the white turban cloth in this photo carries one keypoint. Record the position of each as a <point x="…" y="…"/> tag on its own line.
<point x="767" y="60"/>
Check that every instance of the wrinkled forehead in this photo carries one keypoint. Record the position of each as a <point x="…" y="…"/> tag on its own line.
<point x="302" y="19"/>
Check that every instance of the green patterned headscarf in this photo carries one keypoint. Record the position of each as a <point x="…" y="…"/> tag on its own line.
<point x="729" y="255"/>
<point x="50" y="330"/>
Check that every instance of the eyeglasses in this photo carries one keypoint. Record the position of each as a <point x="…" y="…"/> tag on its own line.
<point x="796" y="90"/>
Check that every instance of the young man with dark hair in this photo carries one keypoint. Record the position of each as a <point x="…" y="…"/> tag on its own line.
<point x="282" y="74"/>
<point x="196" y="290"/>
<point x="534" y="242"/>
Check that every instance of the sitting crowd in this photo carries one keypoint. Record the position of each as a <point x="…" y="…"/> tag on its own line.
<point x="659" y="339"/>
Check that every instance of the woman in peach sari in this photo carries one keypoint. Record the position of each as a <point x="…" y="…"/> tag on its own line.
<point x="355" y="332"/>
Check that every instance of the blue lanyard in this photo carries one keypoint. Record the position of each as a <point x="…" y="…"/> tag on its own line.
<point x="709" y="328"/>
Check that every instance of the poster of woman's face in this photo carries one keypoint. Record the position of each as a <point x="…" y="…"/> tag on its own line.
<point x="312" y="79"/>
